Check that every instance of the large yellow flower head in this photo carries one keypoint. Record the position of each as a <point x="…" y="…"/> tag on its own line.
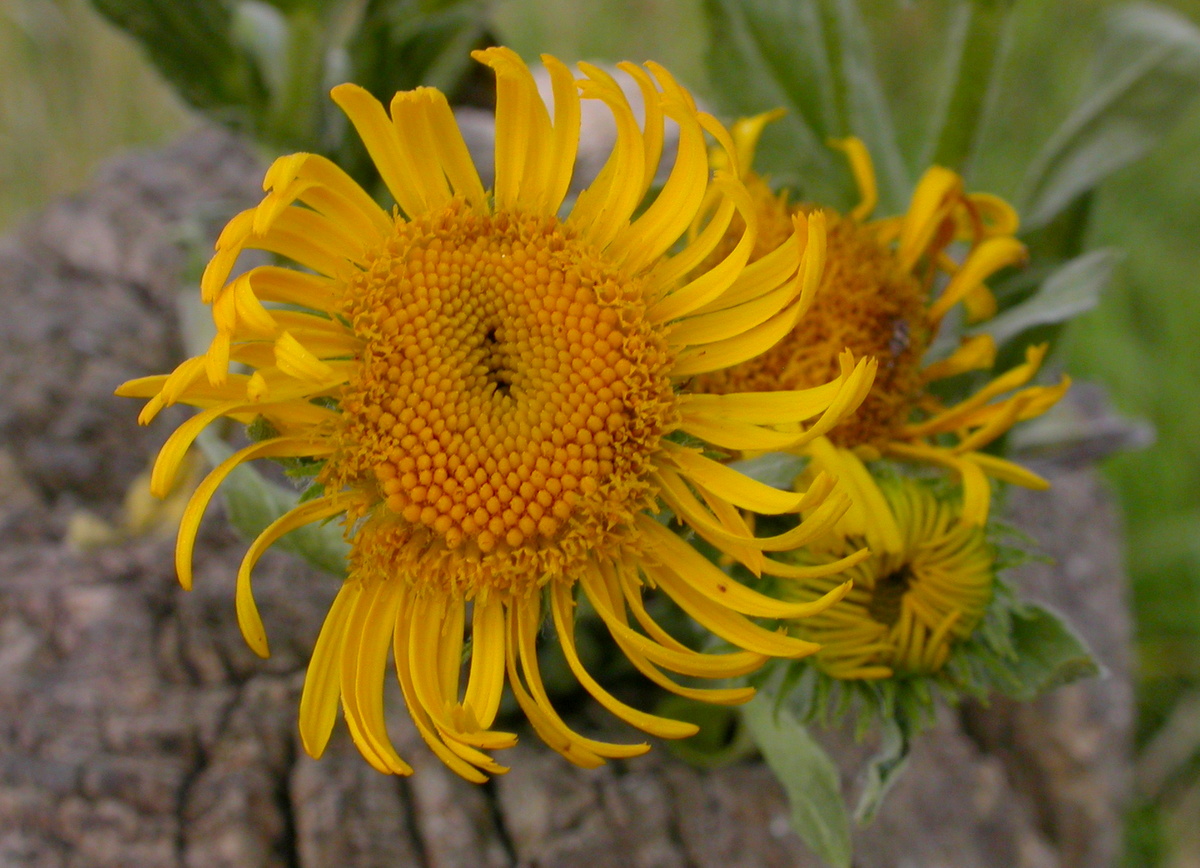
<point x="888" y="285"/>
<point x="492" y="390"/>
<point x="909" y="607"/>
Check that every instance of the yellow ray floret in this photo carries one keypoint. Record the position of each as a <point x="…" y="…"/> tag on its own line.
<point x="496" y="393"/>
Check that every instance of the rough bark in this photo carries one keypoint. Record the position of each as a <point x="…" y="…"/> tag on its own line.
<point x="139" y="729"/>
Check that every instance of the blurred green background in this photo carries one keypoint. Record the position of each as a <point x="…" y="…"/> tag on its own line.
<point x="74" y="91"/>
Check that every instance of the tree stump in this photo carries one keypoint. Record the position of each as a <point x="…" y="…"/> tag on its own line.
<point x="140" y="731"/>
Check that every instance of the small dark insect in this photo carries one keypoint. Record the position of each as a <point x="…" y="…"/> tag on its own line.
<point x="900" y="338"/>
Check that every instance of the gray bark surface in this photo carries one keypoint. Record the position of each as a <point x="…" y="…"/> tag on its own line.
<point x="139" y="730"/>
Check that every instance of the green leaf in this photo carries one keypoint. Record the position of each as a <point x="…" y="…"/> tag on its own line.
<point x="261" y="31"/>
<point x="813" y="58"/>
<point x="974" y="46"/>
<point x="867" y="113"/>
<point x="777" y="469"/>
<point x="721" y="739"/>
<point x="771" y="54"/>
<point x="807" y="774"/>
<point x="1070" y="290"/>
<point x="405" y="43"/>
<point x="253" y="502"/>
<point x="885" y="767"/>
<point x="1145" y="73"/>
<point x="193" y="47"/>
<point x="1047" y="654"/>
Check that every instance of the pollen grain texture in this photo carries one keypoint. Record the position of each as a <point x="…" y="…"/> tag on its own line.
<point x="510" y="396"/>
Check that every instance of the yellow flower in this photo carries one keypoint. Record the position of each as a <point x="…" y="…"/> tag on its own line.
<point x="492" y="390"/>
<point x="909" y="607"/>
<point x="887" y="287"/>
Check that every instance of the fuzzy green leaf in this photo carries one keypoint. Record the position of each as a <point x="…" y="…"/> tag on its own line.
<point x="808" y="776"/>
<point x="1145" y="73"/>
<point x="867" y="113"/>
<point x="405" y="43"/>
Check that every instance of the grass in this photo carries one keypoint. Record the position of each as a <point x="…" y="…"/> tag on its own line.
<point x="72" y="92"/>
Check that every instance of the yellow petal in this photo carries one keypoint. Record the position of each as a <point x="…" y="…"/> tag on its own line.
<point x="652" y="129"/>
<point x="731" y="626"/>
<point x="746" y="132"/>
<point x="864" y="175"/>
<point x="733" y="351"/>
<point x="816" y="523"/>
<point x="288" y="286"/>
<point x="418" y="147"/>
<point x="933" y="201"/>
<point x="425" y="634"/>
<point x="368" y="634"/>
<point x="417" y="712"/>
<point x="323" y="185"/>
<point x="716" y="282"/>
<point x="564" y="139"/>
<point x="984" y="261"/>
<point x="671" y="269"/>
<point x="764" y="408"/>
<point x="684" y="563"/>
<point x="584" y="752"/>
<point x="870" y="515"/>
<point x="382" y="141"/>
<point x="675" y="206"/>
<point x="523" y="135"/>
<point x="681" y="660"/>
<point x="319" y="699"/>
<point x="485" y="683"/>
<point x="189" y="523"/>
<point x="296" y="361"/>
<point x="815" y="571"/>
<point x="730" y="485"/>
<point x="562" y="607"/>
<point x="247" y="612"/>
<point x="1007" y="471"/>
<point x="605" y="207"/>
<point x="973" y="354"/>
<point x="1012" y="379"/>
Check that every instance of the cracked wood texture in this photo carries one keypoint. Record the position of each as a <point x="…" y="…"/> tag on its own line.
<point x="138" y="729"/>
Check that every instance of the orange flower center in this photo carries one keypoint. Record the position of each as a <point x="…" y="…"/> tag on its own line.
<point x="511" y="397"/>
